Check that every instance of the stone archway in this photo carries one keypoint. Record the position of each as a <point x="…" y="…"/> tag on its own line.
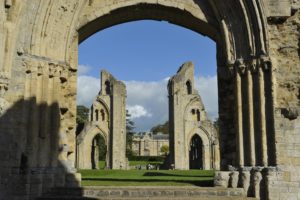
<point x="98" y="143"/>
<point x="38" y="52"/>
<point x="196" y="153"/>
<point x="87" y="148"/>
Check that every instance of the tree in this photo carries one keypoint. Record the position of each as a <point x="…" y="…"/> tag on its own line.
<point x="161" y="128"/>
<point x="164" y="149"/>
<point x="216" y="124"/>
<point x="82" y="114"/>
<point x="102" y="147"/>
<point x="129" y="134"/>
<point x="81" y="118"/>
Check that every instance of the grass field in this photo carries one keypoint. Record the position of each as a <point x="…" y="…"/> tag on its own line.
<point x="133" y="163"/>
<point x="147" y="177"/>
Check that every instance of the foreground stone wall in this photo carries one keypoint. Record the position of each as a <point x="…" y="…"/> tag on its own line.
<point x="38" y="69"/>
<point x="284" y="47"/>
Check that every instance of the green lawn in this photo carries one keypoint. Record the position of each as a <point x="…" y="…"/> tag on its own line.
<point x="147" y="177"/>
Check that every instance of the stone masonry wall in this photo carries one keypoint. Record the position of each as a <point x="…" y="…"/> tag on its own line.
<point x="284" y="47"/>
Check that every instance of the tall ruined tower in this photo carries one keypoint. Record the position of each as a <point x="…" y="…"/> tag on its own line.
<point x="193" y="138"/>
<point x="114" y="91"/>
<point x="107" y="118"/>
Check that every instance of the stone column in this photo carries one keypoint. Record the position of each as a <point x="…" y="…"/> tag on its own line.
<point x="57" y="148"/>
<point x="54" y="114"/>
<point x="251" y="118"/>
<point x="32" y="128"/>
<point x="239" y="116"/>
<point x="262" y="119"/>
<point x="118" y="114"/>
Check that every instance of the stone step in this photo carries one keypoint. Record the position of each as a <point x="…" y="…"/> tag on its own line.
<point x="149" y="198"/>
<point x="146" y="193"/>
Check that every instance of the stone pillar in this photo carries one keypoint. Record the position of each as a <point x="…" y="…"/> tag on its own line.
<point x="118" y="114"/>
<point x="58" y="149"/>
<point x="34" y="92"/>
<point x="216" y="154"/>
<point x="250" y="119"/>
<point x="262" y="119"/>
<point x="239" y="117"/>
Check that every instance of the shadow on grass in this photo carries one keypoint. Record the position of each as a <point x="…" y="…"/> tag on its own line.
<point x="201" y="183"/>
<point x="175" y="175"/>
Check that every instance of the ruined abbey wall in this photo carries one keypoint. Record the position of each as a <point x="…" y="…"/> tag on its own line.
<point x="188" y="118"/>
<point x="258" y="76"/>
<point x="112" y="127"/>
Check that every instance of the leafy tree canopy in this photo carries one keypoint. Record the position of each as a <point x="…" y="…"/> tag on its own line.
<point x="164" y="149"/>
<point x="129" y="134"/>
<point x="161" y="128"/>
<point x="81" y="118"/>
<point x="82" y="114"/>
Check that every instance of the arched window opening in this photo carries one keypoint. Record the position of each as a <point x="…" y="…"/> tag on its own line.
<point x="107" y="87"/>
<point x="92" y="113"/>
<point x="97" y="115"/>
<point x="198" y="115"/>
<point x="193" y="111"/>
<point x="98" y="152"/>
<point x="195" y="154"/>
<point x="189" y="87"/>
<point x="102" y="115"/>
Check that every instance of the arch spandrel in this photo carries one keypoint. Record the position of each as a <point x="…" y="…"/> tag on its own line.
<point x="195" y="103"/>
<point x="183" y="12"/>
<point x="56" y="23"/>
<point x="88" y="135"/>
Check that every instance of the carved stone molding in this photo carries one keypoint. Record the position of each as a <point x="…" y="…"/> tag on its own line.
<point x="253" y="65"/>
<point x="4" y="80"/>
<point x="240" y="66"/>
<point x="265" y="63"/>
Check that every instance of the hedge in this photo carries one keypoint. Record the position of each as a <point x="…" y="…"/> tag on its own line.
<point x="147" y="158"/>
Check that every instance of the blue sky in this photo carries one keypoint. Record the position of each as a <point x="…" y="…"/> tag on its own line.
<point x="144" y="54"/>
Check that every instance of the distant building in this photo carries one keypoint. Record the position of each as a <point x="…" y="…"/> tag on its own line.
<point x="149" y="144"/>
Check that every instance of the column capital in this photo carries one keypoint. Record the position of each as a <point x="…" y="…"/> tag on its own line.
<point x="253" y="65"/>
<point x="265" y="63"/>
<point x="240" y="66"/>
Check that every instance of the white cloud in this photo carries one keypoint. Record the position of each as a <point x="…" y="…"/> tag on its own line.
<point x="208" y="89"/>
<point x="83" y="69"/>
<point x="138" y="111"/>
<point x="87" y="89"/>
<point x="148" y="101"/>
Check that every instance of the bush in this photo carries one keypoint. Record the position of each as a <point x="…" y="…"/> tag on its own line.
<point x="147" y="158"/>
